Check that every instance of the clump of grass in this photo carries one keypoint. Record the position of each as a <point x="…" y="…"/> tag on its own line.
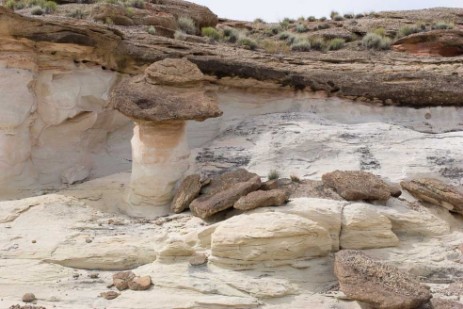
<point x="443" y="25"/>
<point x="323" y="26"/>
<point x="275" y="29"/>
<point x="273" y="174"/>
<point x="312" y="18"/>
<point x="301" y="28"/>
<point x="211" y="33"/>
<point x="336" y="44"/>
<point x="338" y="18"/>
<point x="374" y="41"/>
<point x="230" y="34"/>
<point x="301" y="19"/>
<point x="284" y="35"/>
<point x="247" y="42"/>
<point x="407" y="30"/>
<point x="49" y="7"/>
<point x="108" y="21"/>
<point x="380" y="31"/>
<point x="295" y="179"/>
<point x="317" y="43"/>
<point x="302" y="45"/>
<point x="11" y="4"/>
<point x="37" y="11"/>
<point x="151" y="30"/>
<point x="274" y="47"/>
<point x="187" y="25"/>
<point x="180" y="35"/>
<point x="333" y="14"/>
<point x="284" y="24"/>
<point x="139" y="4"/>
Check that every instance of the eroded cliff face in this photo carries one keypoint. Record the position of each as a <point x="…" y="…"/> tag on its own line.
<point x="56" y="119"/>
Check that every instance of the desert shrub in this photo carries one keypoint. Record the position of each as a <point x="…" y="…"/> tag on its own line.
<point x="273" y="174"/>
<point x="139" y="4"/>
<point x="211" y="33"/>
<point x="231" y="35"/>
<point x="274" y="47"/>
<point x="247" y="42"/>
<point x="374" y="41"/>
<point x="349" y="16"/>
<point x="259" y="21"/>
<point x="275" y="29"/>
<point x="284" y="35"/>
<point x="359" y="15"/>
<point x="443" y="25"/>
<point x="37" y="11"/>
<point x="284" y="24"/>
<point x="323" y="18"/>
<point x="301" y="19"/>
<point x="323" y="26"/>
<point x="151" y="30"/>
<point x="380" y="31"/>
<point x="336" y="44"/>
<point x="338" y="18"/>
<point x="312" y="18"/>
<point x="407" y="30"/>
<point x="76" y="14"/>
<point x="302" y="45"/>
<point x="301" y="28"/>
<point x="11" y="4"/>
<point x="333" y="14"/>
<point x="317" y="43"/>
<point x="180" y="35"/>
<point x="187" y="25"/>
<point x="49" y="7"/>
<point x="108" y="21"/>
<point x="295" y="179"/>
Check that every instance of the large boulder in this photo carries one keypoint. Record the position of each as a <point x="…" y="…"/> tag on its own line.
<point x="187" y="191"/>
<point x="435" y="192"/>
<point x="261" y="198"/>
<point x="357" y="185"/>
<point x="208" y="205"/>
<point x="268" y="238"/>
<point x="447" y="43"/>
<point x="383" y="286"/>
<point x="365" y="228"/>
<point x="226" y="180"/>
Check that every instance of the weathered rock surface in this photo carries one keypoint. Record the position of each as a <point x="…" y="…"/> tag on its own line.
<point x="436" y="192"/>
<point x="110" y="295"/>
<point x="357" y="185"/>
<point x="266" y="238"/>
<point x="227" y="180"/>
<point x="28" y="298"/>
<point x="261" y="198"/>
<point x="140" y="283"/>
<point x="380" y="285"/>
<point x="121" y="279"/>
<point x="187" y="191"/>
<point x="446" y="43"/>
<point x="363" y="228"/>
<point x="206" y="206"/>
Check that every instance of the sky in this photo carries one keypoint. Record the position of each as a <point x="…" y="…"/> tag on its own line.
<point x="275" y="10"/>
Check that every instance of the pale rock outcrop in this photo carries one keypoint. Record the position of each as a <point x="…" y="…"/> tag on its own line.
<point x="175" y="248"/>
<point x="436" y="192"/>
<point x="383" y="286"/>
<point x="364" y="228"/>
<point x="268" y="239"/>
<point x="160" y="105"/>
<point x="223" y="191"/>
<point x="357" y="185"/>
<point x="261" y="198"/>
<point x="187" y="191"/>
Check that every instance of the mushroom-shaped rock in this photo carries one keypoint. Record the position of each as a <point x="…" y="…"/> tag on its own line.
<point x="160" y="102"/>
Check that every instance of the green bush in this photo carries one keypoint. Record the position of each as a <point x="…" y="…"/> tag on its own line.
<point x="443" y="25"/>
<point x="231" y="35"/>
<point x="187" y="25"/>
<point x="338" y="18"/>
<point x="301" y="28"/>
<point x="259" y="21"/>
<point x="311" y="18"/>
<point x="50" y="7"/>
<point x="273" y="174"/>
<point x="333" y="14"/>
<point x="247" y="43"/>
<point x="287" y="36"/>
<point x="275" y="29"/>
<point x="317" y="43"/>
<point x="11" y="4"/>
<point x="359" y="15"/>
<point x="323" y="26"/>
<point x="336" y="44"/>
<point x="407" y="30"/>
<point x="211" y="33"/>
<point x="380" y="31"/>
<point x="349" y="16"/>
<point x="37" y="11"/>
<point x="180" y="35"/>
<point x="284" y="24"/>
<point x="323" y="18"/>
<point x="302" y="45"/>
<point x="374" y="41"/>
<point x="151" y="30"/>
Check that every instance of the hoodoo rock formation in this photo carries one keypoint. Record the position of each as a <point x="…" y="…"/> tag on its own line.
<point x="160" y="102"/>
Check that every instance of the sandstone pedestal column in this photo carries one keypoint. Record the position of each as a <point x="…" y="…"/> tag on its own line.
<point x="160" y="102"/>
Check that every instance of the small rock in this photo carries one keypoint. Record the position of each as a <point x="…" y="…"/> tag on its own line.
<point x="94" y="276"/>
<point x="121" y="279"/>
<point x="34" y="241"/>
<point x="187" y="191"/>
<point x="140" y="283"/>
<point x="88" y="240"/>
<point x="198" y="259"/>
<point x="75" y="276"/>
<point x="29" y="298"/>
<point x="260" y="198"/>
<point x="110" y="295"/>
<point x="357" y="185"/>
